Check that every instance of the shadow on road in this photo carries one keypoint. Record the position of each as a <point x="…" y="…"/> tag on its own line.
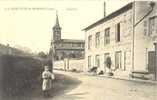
<point x="64" y="84"/>
<point x="61" y="85"/>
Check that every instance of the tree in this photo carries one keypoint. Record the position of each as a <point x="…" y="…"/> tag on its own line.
<point x="42" y="54"/>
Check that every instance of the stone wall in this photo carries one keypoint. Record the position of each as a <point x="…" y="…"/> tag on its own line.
<point x="70" y="64"/>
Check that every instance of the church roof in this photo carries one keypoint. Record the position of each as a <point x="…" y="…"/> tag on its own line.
<point x="72" y="40"/>
<point x="112" y="15"/>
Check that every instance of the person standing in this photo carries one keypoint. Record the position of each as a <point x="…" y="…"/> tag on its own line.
<point x="47" y="77"/>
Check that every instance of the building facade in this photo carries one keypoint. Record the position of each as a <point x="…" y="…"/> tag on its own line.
<point x="65" y="48"/>
<point x="127" y="36"/>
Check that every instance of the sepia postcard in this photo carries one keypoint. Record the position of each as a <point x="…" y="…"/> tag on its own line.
<point x="78" y="49"/>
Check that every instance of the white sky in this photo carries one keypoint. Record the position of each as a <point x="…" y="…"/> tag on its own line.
<point x="32" y="28"/>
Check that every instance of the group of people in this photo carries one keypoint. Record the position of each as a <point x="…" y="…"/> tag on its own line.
<point x="47" y="77"/>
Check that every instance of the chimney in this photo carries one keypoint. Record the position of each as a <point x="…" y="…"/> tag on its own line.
<point x="104" y="9"/>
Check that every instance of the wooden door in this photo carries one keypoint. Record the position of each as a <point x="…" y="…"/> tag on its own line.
<point x="151" y="62"/>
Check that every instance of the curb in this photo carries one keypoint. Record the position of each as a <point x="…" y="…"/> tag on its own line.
<point x="118" y="78"/>
<point x="126" y="79"/>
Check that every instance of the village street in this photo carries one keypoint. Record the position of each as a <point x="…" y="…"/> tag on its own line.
<point x="101" y="88"/>
<point x="79" y="86"/>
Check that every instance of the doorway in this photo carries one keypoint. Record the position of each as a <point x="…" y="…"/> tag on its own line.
<point x="118" y="59"/>
<point x="151" y="62"/>
<point x="105" y="56"/>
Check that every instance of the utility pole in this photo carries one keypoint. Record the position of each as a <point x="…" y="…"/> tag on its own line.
<point x="155" y="45"/>
<point x="133" y="35"/>
<point x="104" y="9"/>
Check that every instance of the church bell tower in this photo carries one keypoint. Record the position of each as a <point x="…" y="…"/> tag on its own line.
<point x="56" y="31"/>
<point x="56" y="38"/>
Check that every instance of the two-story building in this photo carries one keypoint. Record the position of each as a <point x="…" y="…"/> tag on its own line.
<point x="127" y="36"/>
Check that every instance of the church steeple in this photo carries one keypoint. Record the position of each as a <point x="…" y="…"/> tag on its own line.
<point x="56" y="30"/>
<point x="57" y="22"/>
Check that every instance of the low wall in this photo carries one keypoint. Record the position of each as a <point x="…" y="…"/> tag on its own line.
<point x="59" y="64"/>
<point x="70" y="64"/>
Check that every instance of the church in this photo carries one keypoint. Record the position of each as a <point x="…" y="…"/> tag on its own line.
<point x="65" y="48"/>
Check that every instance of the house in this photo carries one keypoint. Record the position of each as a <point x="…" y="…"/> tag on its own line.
<point x="65" y="48"/>
<point x="128" y="36"/>
<point x="8" y="50"/>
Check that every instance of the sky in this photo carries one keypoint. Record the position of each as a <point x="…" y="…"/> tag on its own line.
<point x="28" y="24"/>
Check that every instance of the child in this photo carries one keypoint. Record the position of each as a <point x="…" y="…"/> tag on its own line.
<point x="47" y="79"/>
